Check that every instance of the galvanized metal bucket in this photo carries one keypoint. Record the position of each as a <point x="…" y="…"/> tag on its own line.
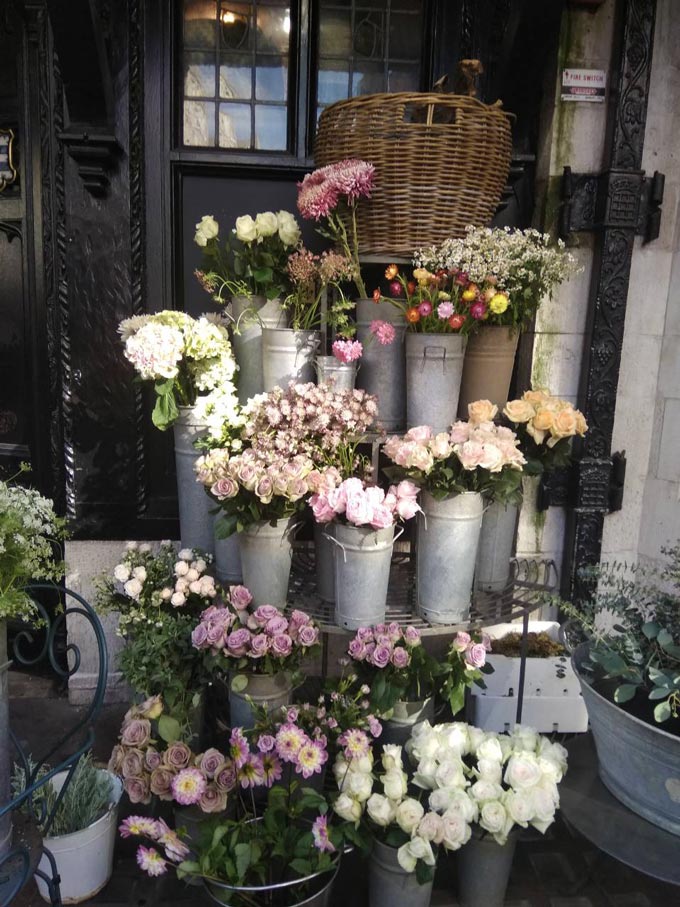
<point x="266" y="556"/>
<point x="638" y="763"/>
<point x="228" y="559"/>
<point x="496" y="543"/>
<point x="383" y="368"/>
<point x="325" y="570"/>
<point x="391" y="886"/>
<point x="247" y="345"/>
<point x="406" y="715"/>
<point x="339" y="375"/>
<point x="448" y="537"/>
<point x="362" y="562"/>
<point x="195" y="519"/>
<point x="269" y="691"/>
<point x="484" y="870"/>
<point x="489" y="360"/>
<point x="434" y="367"/>
<point x="288" y="355"/>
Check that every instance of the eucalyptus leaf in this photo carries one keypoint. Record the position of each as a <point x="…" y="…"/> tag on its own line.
<point x="169" y="728"/>
<point x="239" y="682"/>
<point x="662" y="712"/>
<point x="625" y="692"/>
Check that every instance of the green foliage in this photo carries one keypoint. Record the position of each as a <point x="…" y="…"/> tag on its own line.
<point x="86" y="800"/>
<point x="30" y="532"/>
<point x="641" y="651"/>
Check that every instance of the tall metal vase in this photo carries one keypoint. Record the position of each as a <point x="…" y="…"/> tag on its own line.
<point x="362" y="561"/>
<point x="288" y="355"/>
<point x="266" y="557"/>
<point x="495" y="547"/>
<point x="448" y="536"/>
<point x="391" y="886"/>
<point x="228" y="559"/>
<point x="251" y="314"/>
<point x="383" y="368"/>
<point x="489" y="360"/>
<point x="5" y="744"/>
<point x="195" y="519"/>
<point x="484" y="870"/>
<point x="434" y="367"/>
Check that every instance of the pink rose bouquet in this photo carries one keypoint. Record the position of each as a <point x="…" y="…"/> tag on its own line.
<point x="473" y="456"/>
<point x="465" y="665"/>
<point x="331" y="194"/>
<point x="360" y="504"/>
<point x="263" y="640"/>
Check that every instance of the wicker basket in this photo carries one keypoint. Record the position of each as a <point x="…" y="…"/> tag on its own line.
<point x="441" y="160"/>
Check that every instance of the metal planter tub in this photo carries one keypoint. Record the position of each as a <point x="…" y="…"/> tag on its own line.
<point x="637" y="762"/>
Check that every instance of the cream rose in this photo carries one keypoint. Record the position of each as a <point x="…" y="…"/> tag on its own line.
<point x="245" y="229"/>
<point x="347" y="808"/>
<point x="490" y="749"/>
<point x="519" y="807"/>
<point x="456" y="831"/>
<point x="440" y="446"/>
<point x="431" y="828"/>
<point x="537" y="396"/>
<point x="414" y="850"/>
<point x="266" y="224"/>
<point x="122" y="573"/>
<point x="544" y="419"/>
<point x="519" y="411"/>
<point x="523" y="771"/>
<point x="564" y="424"/>
<point x="359" y="785"/>
<point x="391" y="757"/>
<point x="493" y="817"/>
<point x="380" y="810"/>
<point x="289" y="231"/>
<point x="450" y="774"/>
<point x="409" y="813"/>
<point x="207" y="228"/>
<point x="482" y="411"/>
<point x="395" y="784"/>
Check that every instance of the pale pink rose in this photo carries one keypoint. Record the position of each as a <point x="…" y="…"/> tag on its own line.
<point x="265" y="489"/>
<point x="470" y="454"/>
<point x="137" y="790"/>
<point x="419" y="433"/>
<point x="240" y="597"/>
<point x="407" y="508"/>
<point x="475" y="655"/>
<point x="136" y="732"/>
<point x="381" y="656"/>
<point x="492" y="459"/>
<point x="259" y="646"/>
<point x="359" y="509"/>
<point x="337" y="499"/>
<point x="247" y="476"/>
<point x="422" y="459"/>
<point x="460" y="432"/>
<point x="357" y="649"/>
<point x="412" y="636"/>
<point x="400" y="657"/>
<point x="323" y="512"/>
<point x="383" y="517"/>
<point x="308" y="636"/>
<point x="282" y="645"/>
<point x="407" y="489"/>
<point x="441" y="446"/>
<point x="365" y="634"/>
<point x="211" y="760"/>
<point x="297" y="620"/>
<point x="461" y="641"/>
<point x="224" y="488"/>
<point x="238" y="642"/>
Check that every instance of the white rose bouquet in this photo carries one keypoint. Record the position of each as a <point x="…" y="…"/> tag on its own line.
<point x="494" y="781"/>
<point x="188" y="359"/>
<point x="253" y="261"/>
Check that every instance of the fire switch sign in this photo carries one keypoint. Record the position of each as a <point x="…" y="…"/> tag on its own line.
<point x="584" y="85"/>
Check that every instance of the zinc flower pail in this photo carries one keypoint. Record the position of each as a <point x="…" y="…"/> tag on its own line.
<point x="269" y="691"/>
<point x="434" y="367"/>
<point x="325" y="569"/>
<point x="496" y="543"/>
<point x="288" y="355"/>
<point x="447" y="540"/>
<point x="195" y="518"/>
<point x="487" y="371"/>
<point x="84" y="858"/>
<point x="383" y="368"/>
<point x="228" y="559"/>
<point x="341" y="376"/>
<point x="405" y="716"/>
<point x="362" y="560"/>
<point x="266" y="557"/>
<point x="247" y="344"/>
<point x="391" y="886"/>
<point x="483" y="870"/>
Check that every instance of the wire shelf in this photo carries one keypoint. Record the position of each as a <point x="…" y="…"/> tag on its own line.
<point x="529" y="584"/>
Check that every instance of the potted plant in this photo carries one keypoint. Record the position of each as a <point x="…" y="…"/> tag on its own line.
<point x="503" y="275"/>
<point x="249" y="271"/>
<point x="490" y="783"/>
<point x="187" y="360"/>
<point x="364" y="518"/>
<point x="257" y="647"/>
<point x="158" y="596"/>
<point x="552" y="698"/>
<point x="629" y="670"/>
<point x="30" y="532"/>
<point x="456" y="471"/>
<point x="79" y="828"/>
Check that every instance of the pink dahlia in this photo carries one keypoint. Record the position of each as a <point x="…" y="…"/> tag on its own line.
<point x="320" y="835"/>
<point x="310" y="759"/>
<point x="150" y="861"/>
<point x="188" y="786"/>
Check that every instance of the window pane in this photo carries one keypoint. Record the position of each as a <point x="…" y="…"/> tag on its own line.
<point x="368" y="78"/>
<point x="403" y="78"/>
<point x="236" y="77"/>
<point x="405" y="37"/>
<point x="333" y="81"/>
<point x="270" y="128"/>
<point x="200" y="24"/>
<point x="271" y="79"/>
<point x="236" y="26"/>
<point x="335" y="33"/>
<point x="235" y="127"/>
<point x="369" y="34"/>
<point x="273" y="29"/>
<point x="199" y="123"/>
<point x="199" y="75"/>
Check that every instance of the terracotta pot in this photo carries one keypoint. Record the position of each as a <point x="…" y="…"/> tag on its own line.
<point x="487" y="370"/>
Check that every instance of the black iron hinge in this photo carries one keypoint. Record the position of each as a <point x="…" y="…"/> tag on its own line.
<point x="615" y="198"/>
<point x="600" y="482"/>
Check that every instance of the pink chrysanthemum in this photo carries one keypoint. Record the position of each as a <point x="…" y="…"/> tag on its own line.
<point x="188" y="786"/>
<point x="383" y="332"/>
<point x="289" y="739"/>
<point x="316" y="197"/>
<point x="320" y="191"/>
<point x="347" y="350"/>
<point x="310" y="759"/>
<point x="142" y="826"/>
<point x="251" y="773"/>
<point x="320" y="835"/>
<point x="150" y="861"/>
<point x="352" y="178"/>
<point x="238" y="747"/>
<point x="355" y="743"/>
<point x="175" y="849"/>
<point x="445" y="310"/>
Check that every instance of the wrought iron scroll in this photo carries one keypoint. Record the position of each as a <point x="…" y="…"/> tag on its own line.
<point x="18" y="864"/>
<point x="609" y="291"/>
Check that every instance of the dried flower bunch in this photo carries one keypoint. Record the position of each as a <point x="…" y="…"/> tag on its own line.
<point x="504" y="273"/>
<point x="310" y="277"/>
<point x="186" y="358"/>
<point x="431" y="303"/>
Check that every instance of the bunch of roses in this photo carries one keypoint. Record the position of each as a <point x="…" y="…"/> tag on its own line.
<point x="353" y="773"/>
<point x="384" y="645"/>
<point x="547" y="420"/>
<point x="176" y="773"/>
<point x="157" y="831"/>
<point x="266" y="225"/>
<point x="147" y="587"/>
<point x="308" y="419"/>
<point x="496" y="780"/>
<point x="365" y="505"/>
<point x="262" y="638"/>
<point x="265" y="475"/>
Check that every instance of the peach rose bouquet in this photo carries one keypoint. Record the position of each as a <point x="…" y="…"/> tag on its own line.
<point x="545" y="426"/>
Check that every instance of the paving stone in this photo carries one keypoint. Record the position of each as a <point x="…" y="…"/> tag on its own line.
<point x="631" y="899"/>
<point x="553" y="870"/>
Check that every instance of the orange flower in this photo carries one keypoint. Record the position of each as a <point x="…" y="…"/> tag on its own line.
<point x="457" y="322"/>
<point x="376" y="295"/>
<point x="412" y="315"/>
<point x="411" y="287"/>
<point x="391" y="272"/>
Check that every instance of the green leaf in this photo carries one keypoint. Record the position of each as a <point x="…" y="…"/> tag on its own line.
<point x="169" y="728"/>
<point x="243" y="859"/>
<point x="660" y="693"/>
<point x="218" y="834"/>
<point x="424" y="873"/>
<point x="239" y="682"/>
<point x="457" y="698"/>
<point x="662" y="712"/>
<point x="188" y="867"/>
<point x="624" y="693"/>
<point x="650" y="629"/>
<point x="664" y="639"/>
<point x="164" y="412"/>
<point x="301" y="867"/>
<point x="226" y="526"/>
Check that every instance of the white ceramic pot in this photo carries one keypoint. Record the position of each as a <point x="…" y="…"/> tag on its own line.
<point x="84" y="859"/>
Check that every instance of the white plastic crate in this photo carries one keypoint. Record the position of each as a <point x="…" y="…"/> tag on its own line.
<point x="552" y="694"/>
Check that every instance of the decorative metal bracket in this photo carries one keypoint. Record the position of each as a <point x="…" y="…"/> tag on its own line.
<point x="595" y="483"/>
<point x="613" y="199"/>
<point x="95" y="154"/>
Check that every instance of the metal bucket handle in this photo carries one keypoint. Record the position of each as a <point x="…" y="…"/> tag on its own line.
<point x="433" y="349"/>
<point x="331" y="538"/>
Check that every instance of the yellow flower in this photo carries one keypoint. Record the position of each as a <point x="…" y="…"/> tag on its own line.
<point x="498" y="303"/>
<point x="422" y="275"/>
<point x="391" y="272"/>
<point x="469" y="295"/>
